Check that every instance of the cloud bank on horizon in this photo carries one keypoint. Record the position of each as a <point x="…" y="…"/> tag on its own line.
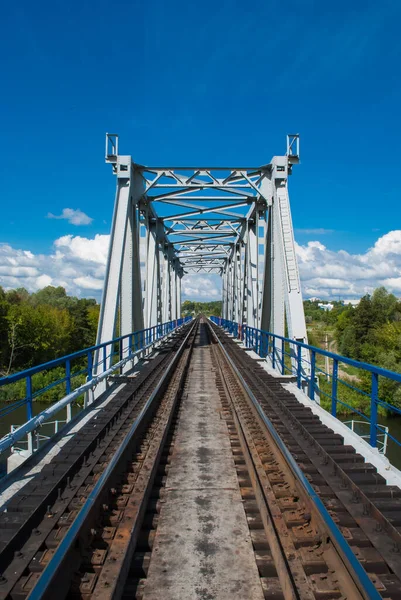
<point x="78" y="264"/>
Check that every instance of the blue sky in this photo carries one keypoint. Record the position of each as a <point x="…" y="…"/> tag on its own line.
<point x="215" y="83"/>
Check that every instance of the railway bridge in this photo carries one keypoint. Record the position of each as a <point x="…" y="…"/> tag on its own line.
<point x="193" y="457"/>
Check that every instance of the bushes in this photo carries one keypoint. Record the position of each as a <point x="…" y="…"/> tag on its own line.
<point x="36" y="328"/>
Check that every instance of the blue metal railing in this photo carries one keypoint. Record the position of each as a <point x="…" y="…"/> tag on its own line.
<point x="90" y="364"/>
<point x="288" y="356"/>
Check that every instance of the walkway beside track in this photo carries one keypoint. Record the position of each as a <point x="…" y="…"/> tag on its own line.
<point x="202" y="546"/>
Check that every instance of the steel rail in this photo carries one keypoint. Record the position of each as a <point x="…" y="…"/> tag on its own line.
<point x="356" y="570"/>
<point x="43" y="588"/>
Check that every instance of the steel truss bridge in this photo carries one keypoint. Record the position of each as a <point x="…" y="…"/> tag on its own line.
<point x="232" y="221"/>
<point x="199" y="463"/>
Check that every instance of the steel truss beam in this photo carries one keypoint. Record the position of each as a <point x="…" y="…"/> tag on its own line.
<point x="169" y="221"/>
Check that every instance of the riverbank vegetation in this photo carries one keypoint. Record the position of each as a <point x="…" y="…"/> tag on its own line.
<point x="192" y="309"/>
<point x="368" y="332"/>
<point x="39" y="327"/>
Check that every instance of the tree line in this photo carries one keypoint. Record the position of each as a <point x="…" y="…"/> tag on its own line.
<point x="192" y="308"/>
<point x="369" y="332"/>
<point x="38" y="327"/>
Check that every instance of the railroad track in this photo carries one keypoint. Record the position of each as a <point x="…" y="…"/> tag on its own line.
<point x="365" y="510"/>
<point x="42" y="513"/>
<point x="209" y="481"/>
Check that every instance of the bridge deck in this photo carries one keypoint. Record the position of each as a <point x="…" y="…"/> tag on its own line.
<point x="182" y="487"/>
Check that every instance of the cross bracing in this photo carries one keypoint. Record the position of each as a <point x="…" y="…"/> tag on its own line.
<point x="231" y="221"/>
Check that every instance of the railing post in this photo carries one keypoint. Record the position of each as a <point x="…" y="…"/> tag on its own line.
<point x="282" y="357"/>
<point x="68" y="388"/>
<point x="312" y="376"/>
<point x="299" y="366"/>
<point x="274" y="353"/>
<point x="104" y="358"/>
<point x="374" y="393"/>
<point x="28" y="392"/>
<point x="90" y="366"/>
<point x="29" y="411"/>
<point x="334" y="383"/>
<point x="67" y="377"/>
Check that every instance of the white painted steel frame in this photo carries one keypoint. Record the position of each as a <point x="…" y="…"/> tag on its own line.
<point x="170" y="221"/>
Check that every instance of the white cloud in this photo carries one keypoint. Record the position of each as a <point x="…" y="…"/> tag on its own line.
<point x="203" y="287"/>
<point x="78" y="264"/>
<point x="43" y="281"/>
<point x="80" y="248"/>
<point x="328" y="274"/>
<point x="89" y="283"/>
<point x="73" y="216"/>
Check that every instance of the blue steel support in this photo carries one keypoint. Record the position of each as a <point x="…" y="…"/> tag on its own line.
<point x="67" y="377"/>
<point x="282" y="357"/>
<point x="373" y="409"/>
<point x="312" y="376"/>
<point x="104" y="358"/>
<point x="90" y="366"/>
<point x="299" y="367"/>
<point x="334" y="385"/>
<point x="29" y="397"/>
<point x="274" y="353"/>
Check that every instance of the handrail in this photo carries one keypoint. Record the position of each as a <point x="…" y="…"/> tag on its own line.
<point x="58" y="361"/>
<point x="358" y="573"/>
<point x="273" y="346"/>
<point x="145" y="339"/>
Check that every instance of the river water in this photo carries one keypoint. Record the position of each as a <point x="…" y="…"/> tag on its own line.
<point x="19" y="416"/>
<point x="393" y="452"/>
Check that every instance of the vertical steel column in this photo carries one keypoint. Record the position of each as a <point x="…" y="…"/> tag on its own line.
<point x="252" y="272"/>
<point x="131" y="313"/>
<point x="111" y="289"/>
<point x="237" y="284"/>
<point x="178" y="292"/>
<point x="230" y="287"/>
<point x="152" y="280"/>
<point x="224" y="292"/>
<point x="173" y="290"/>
